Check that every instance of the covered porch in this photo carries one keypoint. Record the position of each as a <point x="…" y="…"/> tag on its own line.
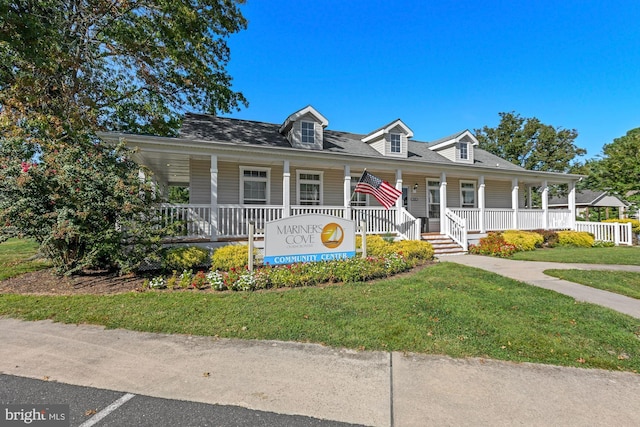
<point x="229" y="190"/>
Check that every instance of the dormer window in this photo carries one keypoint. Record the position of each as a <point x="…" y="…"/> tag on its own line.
<point x="463" y="148"/>
<point x="304" y="129"/>
<point x="396" y="141"/>
<point x="390" y="140"/>
<point x="308" y="132"/>
<point x="456" y="148"/>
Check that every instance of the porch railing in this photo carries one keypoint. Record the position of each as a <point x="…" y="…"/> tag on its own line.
<point x="615" y="232"/>
<point x="233" y="220"/>
<point x="456" y="229"/>
<point x="187" y="221"/>
<point x="194" y="221"/>
<point x="378" y="220"/>
<point x="502" y="219"/>
<point x="559" y="219"/>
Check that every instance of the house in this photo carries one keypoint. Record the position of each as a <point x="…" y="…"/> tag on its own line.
<point x="589" y="201"/>
<point x="239" y="171"/>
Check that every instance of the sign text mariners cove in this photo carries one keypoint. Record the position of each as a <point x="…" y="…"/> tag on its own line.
<point x="308" y="238"/>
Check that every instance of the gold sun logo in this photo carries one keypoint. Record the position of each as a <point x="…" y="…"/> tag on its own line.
<point x="332" y="235"/>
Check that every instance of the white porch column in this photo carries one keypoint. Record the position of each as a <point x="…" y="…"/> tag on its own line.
<point x="572" y="205"/>
<point x="399" y="200"/>
<point x="545" y="205"/>
<point x="347" y="192"/>
<point x="514" y="202"/>
<point x="286" y="190"/>
<point x="214" y="197"/>
<point x="443" y="202"/>
<point x="481" y="203"/>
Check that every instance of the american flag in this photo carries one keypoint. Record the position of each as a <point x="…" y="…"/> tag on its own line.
<point x="381" y="190"/>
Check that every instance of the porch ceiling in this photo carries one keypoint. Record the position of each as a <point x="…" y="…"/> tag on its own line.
<point x="169" y="167"/>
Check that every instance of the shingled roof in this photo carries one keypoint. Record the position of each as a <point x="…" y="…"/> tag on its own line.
<point x="209" y="128"/>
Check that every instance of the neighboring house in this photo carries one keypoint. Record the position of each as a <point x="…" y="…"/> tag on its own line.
<point x="239" y="171"/>
<point x="589" y="200"/>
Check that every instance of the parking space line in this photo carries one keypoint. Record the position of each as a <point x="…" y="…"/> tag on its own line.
<point x="106" y="411"/>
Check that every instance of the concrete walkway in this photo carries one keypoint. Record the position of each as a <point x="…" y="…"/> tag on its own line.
<point x="531" y="272"/>
<point x="369" y="388"/>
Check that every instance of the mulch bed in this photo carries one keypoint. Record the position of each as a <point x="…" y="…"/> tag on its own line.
<point x="44" y="282"/>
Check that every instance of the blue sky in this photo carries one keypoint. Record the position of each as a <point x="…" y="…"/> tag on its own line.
<point x="443" y="66"/>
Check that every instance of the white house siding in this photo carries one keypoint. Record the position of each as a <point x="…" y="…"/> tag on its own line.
<point x="199" y="181"/>
<point x="497" y="194"/>
<point x="418" y="200"/>
<point x="379" y="145"/>
<point x="449" y="152"/>
<point x="332" y="184"/>
<point x="229" y="182"/>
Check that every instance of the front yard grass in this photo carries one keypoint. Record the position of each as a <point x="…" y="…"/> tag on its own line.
<point x="17" y="257"/>
<point x="621" y="282"/>
<point x="622" y="255"/>
<point x="443" y="309"/>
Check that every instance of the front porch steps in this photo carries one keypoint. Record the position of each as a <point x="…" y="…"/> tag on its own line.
<point x="442" y="245"/>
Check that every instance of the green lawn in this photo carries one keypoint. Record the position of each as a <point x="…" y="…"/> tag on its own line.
<point x="621" y="282"/>
<point x="443" y="309"/>
<point x="15" y="257"/>
<point x="627" y="255"/>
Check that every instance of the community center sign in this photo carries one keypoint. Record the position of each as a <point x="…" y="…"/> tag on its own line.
<point x="308" y="238"/>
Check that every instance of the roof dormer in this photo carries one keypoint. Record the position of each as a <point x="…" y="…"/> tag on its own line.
<point x="390" y="140"/>
<point x="305" y="128"/>
<point x="458" y="148"/>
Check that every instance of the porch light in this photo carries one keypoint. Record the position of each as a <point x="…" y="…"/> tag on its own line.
<point x="415" y="187"/>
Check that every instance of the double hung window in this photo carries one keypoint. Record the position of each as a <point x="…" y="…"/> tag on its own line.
<point x="309" y="188"/>
<point x="254" y="186"/>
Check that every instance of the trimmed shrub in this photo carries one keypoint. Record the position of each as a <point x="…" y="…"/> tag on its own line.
<point x="550" y="238"/>
<point x="184" y="258"/>
<point x="414" y="250"/>
<point x="378" y="247"/>
<point x="493" y="245"/>
<point x="230" y="257"/>
<point x="579" y="239"/>
<point x="523" y="240"/>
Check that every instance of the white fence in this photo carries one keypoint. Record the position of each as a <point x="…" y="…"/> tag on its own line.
<point x="615" y="232"/>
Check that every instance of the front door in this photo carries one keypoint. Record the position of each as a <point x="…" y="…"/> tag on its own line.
<point x="433" y="205"/>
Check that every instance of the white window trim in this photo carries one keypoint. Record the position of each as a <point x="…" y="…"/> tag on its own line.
<point x="313" y="133"/>
<point x="391" y="135"/>
<point x="475" y="194"/>
<point x="243" y="178"/>
<point x="305" y="181"/>
<point x="466" y="144"/>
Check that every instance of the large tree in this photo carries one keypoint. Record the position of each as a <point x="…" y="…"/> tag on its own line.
<point x="618" y="167"/>
<point x="69" y="69"/>
<point x="529" y="143"/>
<point x="132" y="65"/>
